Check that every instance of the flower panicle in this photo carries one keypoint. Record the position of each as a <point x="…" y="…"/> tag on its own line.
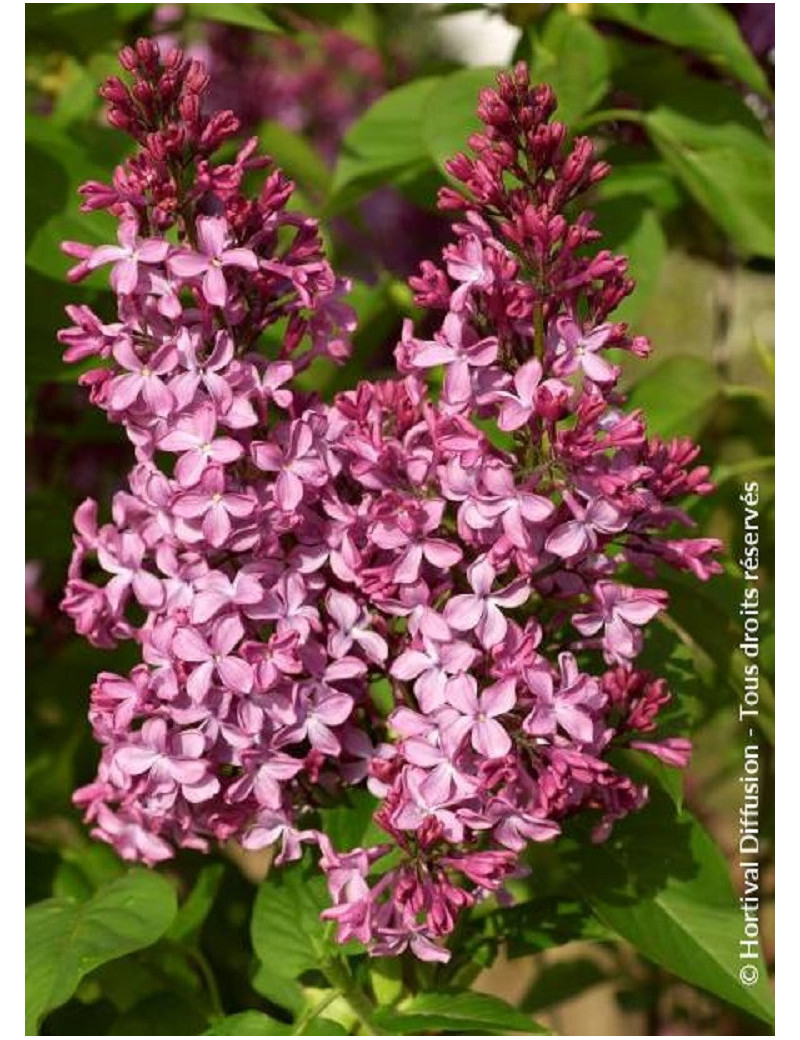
<point x="275" y="558"/>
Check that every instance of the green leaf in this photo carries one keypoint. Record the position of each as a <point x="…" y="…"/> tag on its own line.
<point x="248" y="1023"/>
<point x="79" y="29"/>
<point x="162" y="1014"/>
<point x="385" y="143"/>
<point x="66" y="940"/>
<point x="79" y="101"/>
<point x="460" y="1013"/>
<point x="727" y="166"/>
<point x="710" y="139"/>
<point x="705" y="29"/>
<point x="632" y="228"/>
<point x="56" y="166"/>
<point x="562" y="981"/>
<point x="84" y="868"/>
<point x="324" y="1027"/>
<point x="645" y="768"/>
<point x="649" y="179"/>
<point x="450" y="113"/>
<point x="45" y="301"/>
<point x="192" y="914"/>
<point x="248" y="16"/>
<point x="707" y="621"/>
<point x="677" y="395"/>
<point x="350" y="823"/>
<point x="288" y="936"/>
<point x="662" y="883"/>
<point x="537" y="924"/>
<point x="572" y="57"/>
<point x="297" y="158"/>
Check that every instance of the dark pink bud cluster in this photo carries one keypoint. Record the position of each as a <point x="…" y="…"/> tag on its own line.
<point x="278" y="559"/>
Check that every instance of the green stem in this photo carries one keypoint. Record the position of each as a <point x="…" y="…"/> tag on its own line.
<point x="538" y="331"/>
<point x="204" y="968"/>
<point x="610" y="115"/>
<point x="743" y="468"/>
<point x="744" y="393"/>
<point x="339" y="976"/>
<point x="312" y="1014"/>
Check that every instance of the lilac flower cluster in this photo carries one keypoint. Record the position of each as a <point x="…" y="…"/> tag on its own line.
<point x="277" y="558"/>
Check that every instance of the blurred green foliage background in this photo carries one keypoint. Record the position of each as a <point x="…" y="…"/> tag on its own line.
<point x="361" y="104"/>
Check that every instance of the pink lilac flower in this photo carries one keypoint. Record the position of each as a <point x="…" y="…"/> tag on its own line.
<point x="481" y="609"/>
<point x="212" y="257"/>
<point x="127" y="256"/>
<point x="573" y="348"/>
<point x="213" y="658"/>
<point x="213" y="506"/>
<point x="475" y="716"/>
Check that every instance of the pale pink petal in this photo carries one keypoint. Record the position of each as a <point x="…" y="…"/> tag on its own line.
<point x="188" y="265"/>
<point x="421" y="753"/>
<point x="123" y="391"/>
<point x="458" y="382"/>
<point x="569" y="539"/>
<point x="148" y="589"/>
<point x="374" y="645"/>
<point x="179" y="440"/>
<point x="225" y="450"/>
<point x="513" y="415"/>
<point x="463" y="695"/>
<point x="186" y="771"/>
<point x="288" y="491"/>
<point x="493" y="627"/>
<point x="410" y="664"/>
<point x="406" y="570"/>
<point x="430" y="689"/>
<point x="576" y="722"/>
<point x="106" y="255"/>
<point x="157" y="396"/>
<point x="239" y="505"/>
<point x="513" y="595"/>
<point x="189" y="468"/>
<point x="206" y="604"/>
<point x="499" y="698"/>
<point x="597" y="337"/>
<point x="245" y="258"/>
<point x="464" y="612"/>
<point x="190" y="505"/>
<point x="321" y="738"/>
<point x="199" y="682"/>
<point x="433" y="354"/>
<point x="125" y="276"/>
<point x="638" y="611"/>
<point x="200" y="792"/>
<point x="189" y="645"/>
<point x="334" y="709"/>
<point x="227" y="634"/>
<point x="490" y="739"/>
<point x="598" y="369"/>
<point x="216" y="525"/>
<point x="135" y="760"/>
<point x="438" y="786"/>
<point x="342" y="608"/>
<point x="152" y="250"/>
<point x="588" y="624"/>
<point x="215" y="288"/>
<point x="212" y="234"/>
<point x="236" y="674"/>
<point x="455" y="732"/>
<point x="441" y="553"/>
